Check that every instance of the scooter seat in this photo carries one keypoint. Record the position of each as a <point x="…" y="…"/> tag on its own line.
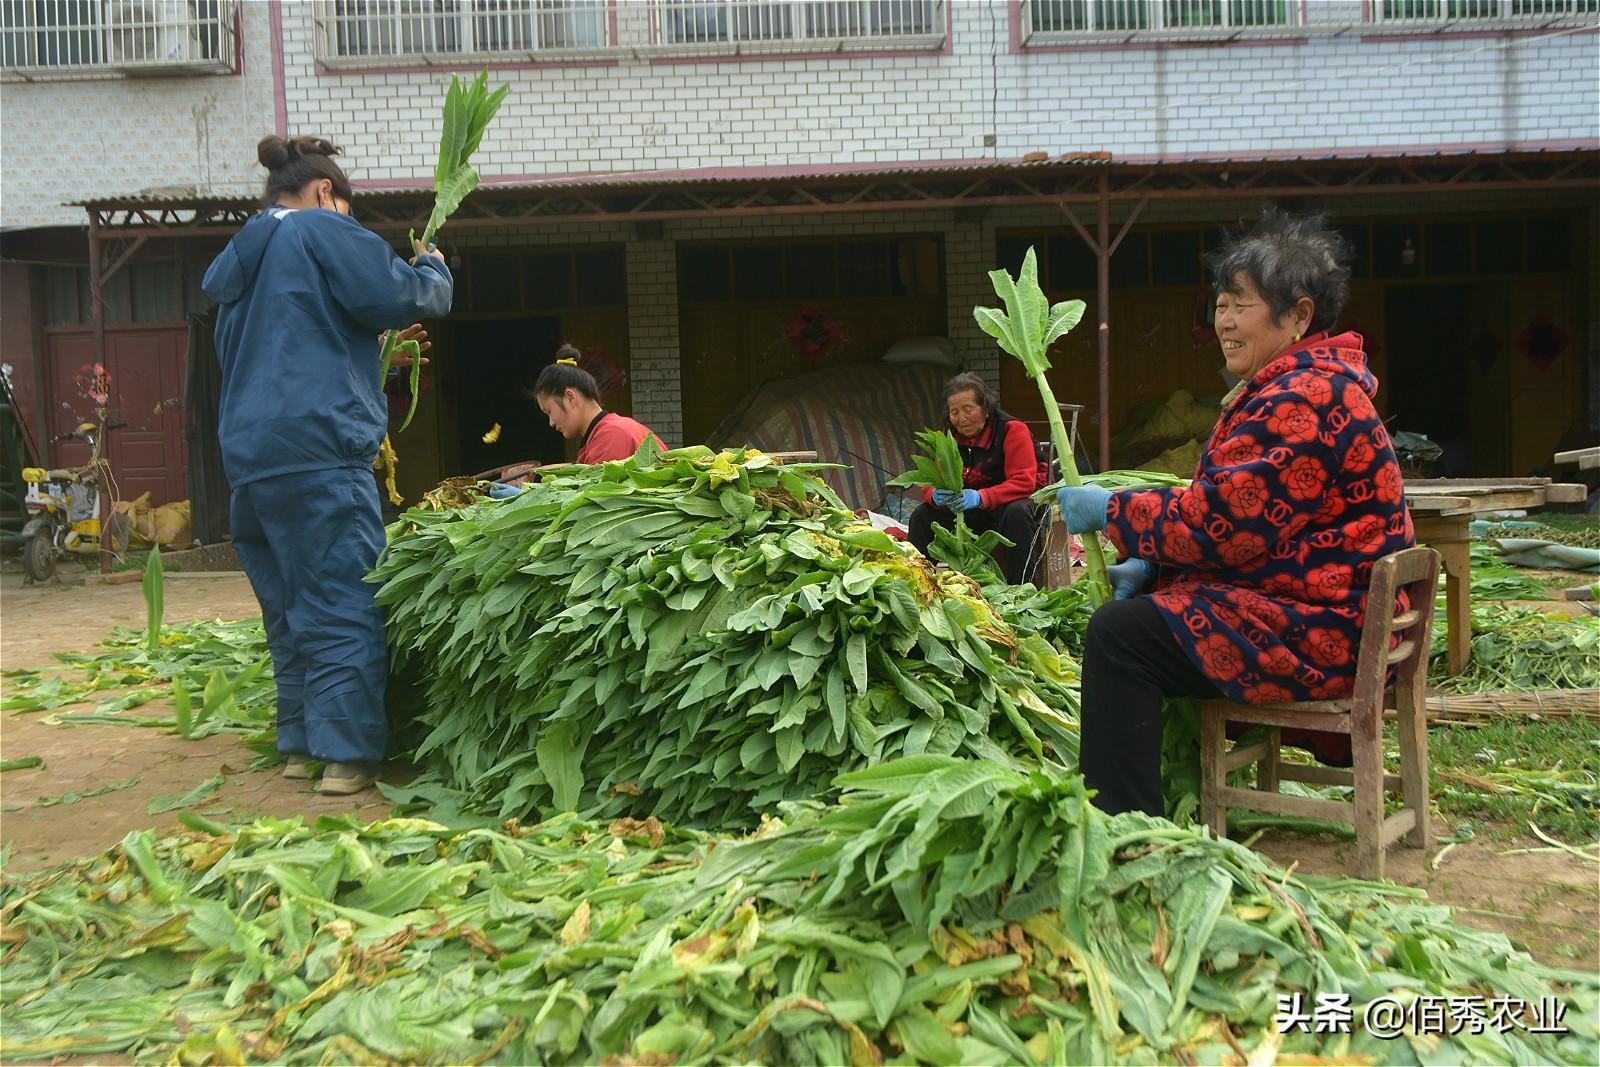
<point x="61" y="475"/>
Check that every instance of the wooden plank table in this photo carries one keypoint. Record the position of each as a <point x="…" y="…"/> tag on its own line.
<point x="1587" y="459"/>
<point x="1442" y="509"/>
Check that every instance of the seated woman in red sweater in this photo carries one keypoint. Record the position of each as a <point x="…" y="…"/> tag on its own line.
<point x="1001" y="470"/>
<point x="570" y="398"/>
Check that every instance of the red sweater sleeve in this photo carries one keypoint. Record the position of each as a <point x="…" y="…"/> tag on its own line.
<point x="1022" y="469"/>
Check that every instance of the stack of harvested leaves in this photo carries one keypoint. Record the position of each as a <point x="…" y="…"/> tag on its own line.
<point x="1521" y="649"/>
<point x="699" y="638"/>
<point x="946" y="911"/>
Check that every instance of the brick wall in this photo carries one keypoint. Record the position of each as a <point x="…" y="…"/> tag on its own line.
<point x="62" y="141"/>
<point x="1324" y="92"/>
<point x="1594" y="319"/>
<point x="653" y="338"/>
<point x="1345" y="92"/>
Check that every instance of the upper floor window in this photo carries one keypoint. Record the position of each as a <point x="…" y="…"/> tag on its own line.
<point x="356" y="30"/>
<point x="1402" y="13"/>
<point x="789" y="25"/>
<point x="1053" y="21"/>
<point x="44" y="38"/>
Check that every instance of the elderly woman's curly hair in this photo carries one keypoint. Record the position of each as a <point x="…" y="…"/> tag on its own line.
<point x="1287" y="257"/>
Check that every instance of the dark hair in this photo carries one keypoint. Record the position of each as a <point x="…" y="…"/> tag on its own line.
<point x="295" y="163"/>
<point x="558" y="377"/>
<point x="1287" y="257"/>
<point x="965" y="381"/>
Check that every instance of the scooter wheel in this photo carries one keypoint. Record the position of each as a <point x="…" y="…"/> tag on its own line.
<point x="39" y="558"/>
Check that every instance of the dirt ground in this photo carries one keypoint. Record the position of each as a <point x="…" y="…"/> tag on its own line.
<point x="1548" y="901"/>
<point x="37" y="621"/>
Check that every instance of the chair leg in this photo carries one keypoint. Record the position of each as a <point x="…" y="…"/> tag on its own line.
<point x="1368" y="751"/>
<point x="1414" y="769"/>
<point x="1267" y="766"/>
<point x="1212" y="746"/>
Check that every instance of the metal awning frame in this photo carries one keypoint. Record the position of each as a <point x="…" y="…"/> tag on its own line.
<point x="118" y="226"/>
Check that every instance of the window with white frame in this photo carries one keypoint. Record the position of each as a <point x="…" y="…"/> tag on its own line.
<point x="1049" y="21"/>
<point x="779" y="25"/>
<point x="352" y="31"/>
<point x="1412" y="12"/>
<point x="41" y="38"/>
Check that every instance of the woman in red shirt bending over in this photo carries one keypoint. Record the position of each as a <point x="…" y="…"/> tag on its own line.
<point x="570" y="399"/>
<point x="1001" y="470"/>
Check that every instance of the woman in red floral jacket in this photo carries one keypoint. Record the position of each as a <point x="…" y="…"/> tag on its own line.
<point x="1261" y="565"/>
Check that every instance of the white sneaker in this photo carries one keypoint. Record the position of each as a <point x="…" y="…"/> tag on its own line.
<point x="342" y="779"/>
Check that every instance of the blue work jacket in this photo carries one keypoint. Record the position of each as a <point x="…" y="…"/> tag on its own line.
<point x="303" y="298"/>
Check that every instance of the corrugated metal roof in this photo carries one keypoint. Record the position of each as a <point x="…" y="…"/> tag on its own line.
<point x="756" y="175"/>
<point x="750" y="176"/>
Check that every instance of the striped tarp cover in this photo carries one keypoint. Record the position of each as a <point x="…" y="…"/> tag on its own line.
<point x="869" y="409"/>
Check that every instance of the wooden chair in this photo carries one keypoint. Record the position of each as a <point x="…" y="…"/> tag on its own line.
<point x="1416" y="571"/>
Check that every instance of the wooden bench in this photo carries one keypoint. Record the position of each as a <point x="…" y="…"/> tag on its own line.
<point x="1416" y="571"/>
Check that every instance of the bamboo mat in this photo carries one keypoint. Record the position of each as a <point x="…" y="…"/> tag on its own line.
<point x="1548" y="703"/>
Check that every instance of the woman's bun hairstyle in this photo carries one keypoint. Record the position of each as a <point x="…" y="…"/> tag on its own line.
<point x="295" y="162"/>
<point x="275" y="152"/>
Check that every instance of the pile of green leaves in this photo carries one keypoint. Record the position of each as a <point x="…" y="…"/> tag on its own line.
<point x="1579" y="531"/>
<point x="1520" y="649"/>
<point x="218" y="673"/>
<point x="699" y="636"/>
<point x="1060" y="616"/>
<point x="937" y="461"/>
<point x="1494" y="579"/>
<point x="944" y="911"/>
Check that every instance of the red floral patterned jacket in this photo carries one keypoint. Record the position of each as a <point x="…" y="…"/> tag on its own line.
<point x="1267" y="555"/>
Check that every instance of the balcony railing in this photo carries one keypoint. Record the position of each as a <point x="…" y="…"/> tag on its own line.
<point x="363" y="32"/>
<point x="73" y="38"/>
<point x="1412" y="13"/>
<point x="721" y="26"/>
<point x="1067" y="21"/>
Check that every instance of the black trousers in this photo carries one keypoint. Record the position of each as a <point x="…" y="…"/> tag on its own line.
<point x="1130" y="662"/>
<point x="1014" y="521"/>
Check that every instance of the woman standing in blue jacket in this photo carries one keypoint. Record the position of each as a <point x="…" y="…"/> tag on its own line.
<point x="304" y="291"/>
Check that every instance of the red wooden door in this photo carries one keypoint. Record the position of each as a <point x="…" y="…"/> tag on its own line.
<point x="146" y="365"/>
<point x="69" y="365"/>
<point x="149" y="453"/>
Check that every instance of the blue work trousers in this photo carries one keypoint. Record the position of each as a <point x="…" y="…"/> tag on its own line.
<point x="306" y="541"/>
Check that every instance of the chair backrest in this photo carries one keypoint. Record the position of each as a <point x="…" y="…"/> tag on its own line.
<point x="1401" y="641"/>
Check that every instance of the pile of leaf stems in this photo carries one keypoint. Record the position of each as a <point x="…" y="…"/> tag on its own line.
<point x="939" y="911"/>
<point x="698" y="636"/>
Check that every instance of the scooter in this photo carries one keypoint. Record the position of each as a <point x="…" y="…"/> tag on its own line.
<point x="65" y="504"/>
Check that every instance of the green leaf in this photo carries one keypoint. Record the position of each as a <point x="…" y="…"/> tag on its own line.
<point x="154" y="598"/>
<point x="560" y="759"/>
<point x="172" y="802"/>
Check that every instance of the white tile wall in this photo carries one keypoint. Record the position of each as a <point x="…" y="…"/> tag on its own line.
<point x="63" y="141"/>
<point x="1345" y="92"/>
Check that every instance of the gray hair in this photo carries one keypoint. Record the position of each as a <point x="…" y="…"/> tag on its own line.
<point x="966" y="380"/>
<point x="1287" y="257"/>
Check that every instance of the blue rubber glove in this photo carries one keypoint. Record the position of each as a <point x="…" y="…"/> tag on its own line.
<point x="1129" y="578"/>
<point x="1083" y="507"/>
<point x="502" y="491"/>
<point x="957" y="499"/>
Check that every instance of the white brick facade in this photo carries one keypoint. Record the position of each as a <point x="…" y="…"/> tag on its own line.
<point x="63" y="141"/>
<point x="982" y="97"/>
<point x="66" y="141"/>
